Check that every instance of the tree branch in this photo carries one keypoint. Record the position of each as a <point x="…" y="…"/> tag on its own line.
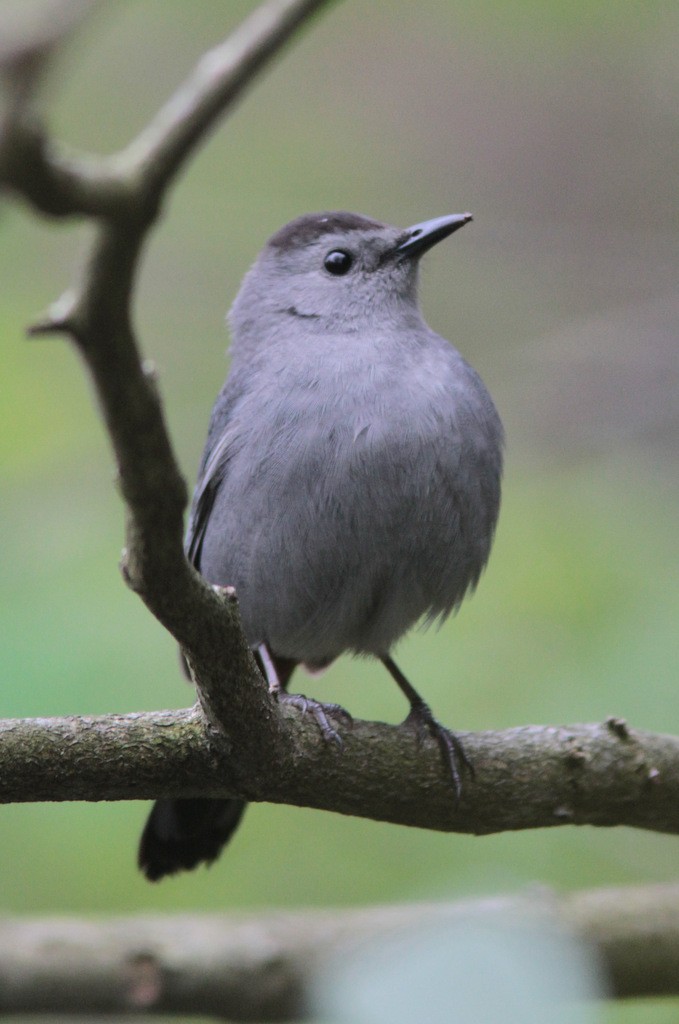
<point x="222" y="74"/>
<point x="132" y="183"/>
<point x="261" y="968"/>
<point x="528" y="777"/>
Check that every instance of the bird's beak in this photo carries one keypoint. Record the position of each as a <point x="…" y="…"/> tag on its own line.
<point x="420" y="237"/>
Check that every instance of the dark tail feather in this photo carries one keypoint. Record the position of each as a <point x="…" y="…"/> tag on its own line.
<point x="180" y="834"/>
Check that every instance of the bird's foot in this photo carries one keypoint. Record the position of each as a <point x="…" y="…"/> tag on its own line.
<point x="319" y="712"/>
<point x="421" y="718"/>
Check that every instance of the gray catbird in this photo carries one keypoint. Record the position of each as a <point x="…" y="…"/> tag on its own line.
<point x="350" y="483"/>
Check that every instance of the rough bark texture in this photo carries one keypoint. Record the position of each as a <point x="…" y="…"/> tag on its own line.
<point x="529" y="777"/>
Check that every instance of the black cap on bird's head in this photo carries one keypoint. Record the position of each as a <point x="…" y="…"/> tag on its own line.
<point x="312" y="226"/>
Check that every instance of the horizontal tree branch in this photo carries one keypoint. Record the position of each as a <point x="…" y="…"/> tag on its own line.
<point x="262" y="967"/>
<point x="527" y="777"/>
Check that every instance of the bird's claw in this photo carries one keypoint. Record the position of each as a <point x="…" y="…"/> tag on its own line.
<point x="320" y="712"/>
<point x="421" y="718"/>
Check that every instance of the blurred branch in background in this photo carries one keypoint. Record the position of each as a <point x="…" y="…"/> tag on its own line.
<point x="266" y="967"/>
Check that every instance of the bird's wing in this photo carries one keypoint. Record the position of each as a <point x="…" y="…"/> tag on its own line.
<point x="212" y="470"/>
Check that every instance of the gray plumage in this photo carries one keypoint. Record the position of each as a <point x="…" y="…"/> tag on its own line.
<point x="351" y="480"/>
<point x="350" y="483"/>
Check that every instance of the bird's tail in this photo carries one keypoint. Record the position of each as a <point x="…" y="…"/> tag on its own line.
<point x="180" y="834"/>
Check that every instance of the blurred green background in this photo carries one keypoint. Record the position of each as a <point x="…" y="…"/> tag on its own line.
<point x="557" y="126"/>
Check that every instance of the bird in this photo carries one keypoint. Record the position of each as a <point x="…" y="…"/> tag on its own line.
<point x="350" y="483"/>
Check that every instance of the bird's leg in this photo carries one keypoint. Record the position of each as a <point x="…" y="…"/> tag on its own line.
<point x="269" y="670"/>
<point x="307" y="705"/>
<point x="421" y="716"/>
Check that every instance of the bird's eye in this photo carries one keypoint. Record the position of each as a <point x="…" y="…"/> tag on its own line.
<point x="338" y="262"/>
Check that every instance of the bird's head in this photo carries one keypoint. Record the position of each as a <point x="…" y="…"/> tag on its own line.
<point x="337" y="271"/>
